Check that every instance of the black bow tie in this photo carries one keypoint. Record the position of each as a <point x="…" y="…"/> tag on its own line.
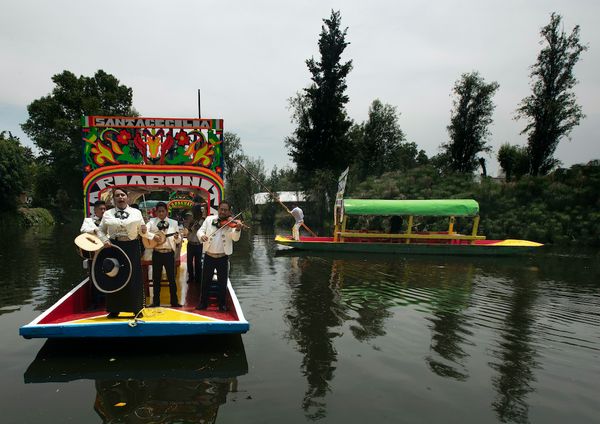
<point x="162" y="225"/>
<point x="121" y="214"/>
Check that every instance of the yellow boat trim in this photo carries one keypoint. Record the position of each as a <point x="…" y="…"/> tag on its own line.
<point x="516" y="243"/>
<point x="151" y="315"/>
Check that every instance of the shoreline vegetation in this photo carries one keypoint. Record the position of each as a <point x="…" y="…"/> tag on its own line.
<point x="27" y="217"/>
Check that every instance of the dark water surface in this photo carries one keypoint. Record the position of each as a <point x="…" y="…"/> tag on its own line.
<point x="339" y="338"/>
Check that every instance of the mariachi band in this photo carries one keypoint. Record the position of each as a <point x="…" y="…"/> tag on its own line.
<point x="113" y="239"/>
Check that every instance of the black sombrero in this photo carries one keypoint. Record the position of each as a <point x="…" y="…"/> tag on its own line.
<point x="111" y="269"/>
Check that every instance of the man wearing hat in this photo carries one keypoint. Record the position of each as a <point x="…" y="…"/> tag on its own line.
<point x="163" y="255"/>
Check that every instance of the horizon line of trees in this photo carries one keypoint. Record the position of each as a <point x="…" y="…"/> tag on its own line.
<point x="326" y="140"/>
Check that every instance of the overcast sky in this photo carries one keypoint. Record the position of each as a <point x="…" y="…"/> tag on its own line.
<point x="248" y="58"/>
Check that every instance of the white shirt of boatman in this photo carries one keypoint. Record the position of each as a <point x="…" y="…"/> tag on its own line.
<point x="297" y="214"/>
<point x="130" y="227"/>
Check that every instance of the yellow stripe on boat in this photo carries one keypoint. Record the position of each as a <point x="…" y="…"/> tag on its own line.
<point x="150" y="315"/>
<point x="516" y="243"/>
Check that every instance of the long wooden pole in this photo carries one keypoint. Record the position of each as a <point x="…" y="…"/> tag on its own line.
<point x="275" y="197"/>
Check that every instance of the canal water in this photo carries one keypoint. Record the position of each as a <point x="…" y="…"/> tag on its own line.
<point x="333" y="339"/>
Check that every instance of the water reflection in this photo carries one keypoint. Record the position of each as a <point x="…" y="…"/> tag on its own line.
<point x="41" y="264"/>
<point x="312" y="315"/>
<point x="454" y="295"/>
<point x="159" y="380"/>
<point x="515" y="353"/>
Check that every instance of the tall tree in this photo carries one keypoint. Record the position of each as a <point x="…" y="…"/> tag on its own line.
<point x="469" y="121"/>
<point x="551" y="110"/>
<point x="378" y="149"/>
<point x="54" y="122"/>
<point x="15" y="165"/>
<point x="320" y="139"/>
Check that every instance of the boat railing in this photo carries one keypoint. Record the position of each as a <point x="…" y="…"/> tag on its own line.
<point x="343" y="235"/>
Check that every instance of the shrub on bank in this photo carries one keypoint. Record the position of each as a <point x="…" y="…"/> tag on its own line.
<point x="27" y="217"/>
<point x="560" y="208"/>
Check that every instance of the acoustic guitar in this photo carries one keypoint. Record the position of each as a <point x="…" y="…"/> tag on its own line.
<point x="162" y="237"/>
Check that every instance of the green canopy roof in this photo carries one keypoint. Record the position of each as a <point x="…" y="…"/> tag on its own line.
<point x="446" y="207"/>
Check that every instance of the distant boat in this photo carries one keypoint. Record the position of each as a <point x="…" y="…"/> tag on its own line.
<point x="406" y="240"/>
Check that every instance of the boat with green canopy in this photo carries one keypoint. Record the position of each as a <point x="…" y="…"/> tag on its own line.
<point x="404" y="235"/>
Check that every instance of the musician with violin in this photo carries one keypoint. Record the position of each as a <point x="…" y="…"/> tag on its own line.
<point x="167" y="238"/>
<point x="217" y="233"/>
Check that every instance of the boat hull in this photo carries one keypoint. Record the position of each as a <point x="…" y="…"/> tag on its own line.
<point x="487" y="248"/>
<point x="69" y="318"/>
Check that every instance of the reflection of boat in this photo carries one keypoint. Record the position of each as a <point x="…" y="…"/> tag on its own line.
<point x="397" y="241"/>
<point x="181" y="380"/>
<point x="146" y="155"/>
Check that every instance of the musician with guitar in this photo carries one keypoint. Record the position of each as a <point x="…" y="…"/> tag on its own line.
<point x="164" y="243"/>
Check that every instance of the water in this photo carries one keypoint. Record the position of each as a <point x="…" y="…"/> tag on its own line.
<point x="336" y="338"/>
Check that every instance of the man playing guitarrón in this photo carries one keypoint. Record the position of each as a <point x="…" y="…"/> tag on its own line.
<point x="217" y="235"/>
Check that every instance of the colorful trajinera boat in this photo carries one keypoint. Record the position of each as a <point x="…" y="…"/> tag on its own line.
<point x="145" y="155"/>
<point x="402" y="238"/>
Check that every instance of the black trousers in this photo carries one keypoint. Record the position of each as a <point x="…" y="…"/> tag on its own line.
<point x="211" y="264"/>
<point x="166" y="260"/>
<point x="194" y="262"/>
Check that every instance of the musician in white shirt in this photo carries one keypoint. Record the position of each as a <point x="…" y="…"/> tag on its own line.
<point x="90" y="225"/>
<point x="121" y="226"/>
<point x="163" y="255"/>
<point x="217" y="234"/>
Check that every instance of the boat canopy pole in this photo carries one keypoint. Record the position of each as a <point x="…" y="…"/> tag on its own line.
<point x="275" y="197"/>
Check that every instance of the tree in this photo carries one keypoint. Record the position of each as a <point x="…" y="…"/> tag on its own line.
<point x="320" y="139"/>
<point x="54" y="122"/>
<point x="233" y="154"/>
<point x="240" y="186"/>
<point x="469" y="121"/>
<point x="378" y="150"/>
<point x="551" y="110"/>
<point x="514" y="161"/>
<point x="15" y="165"/>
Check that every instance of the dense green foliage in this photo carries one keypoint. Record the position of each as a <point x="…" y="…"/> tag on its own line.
<point x="551" y="110"/>
<point x="514" y="160"/>
<point x="320" y="145"/>
<point x="469" y="122"/>
<point x="241" y="175"/>
<point x="54" y="125"/>
<point x="320" y="139"/>
<point x="380" y="144"/>
<point x="560" y="208"/>
<point x="16" y="163"/>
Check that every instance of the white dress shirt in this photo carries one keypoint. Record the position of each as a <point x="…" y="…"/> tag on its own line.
<point x="171" y="242"/>
<point x="222" y="242"/>
<point x="90" y="225"/>
<point x="130" y="227"/>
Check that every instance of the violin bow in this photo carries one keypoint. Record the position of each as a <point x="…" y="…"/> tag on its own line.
<point x="212" y="236"/>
